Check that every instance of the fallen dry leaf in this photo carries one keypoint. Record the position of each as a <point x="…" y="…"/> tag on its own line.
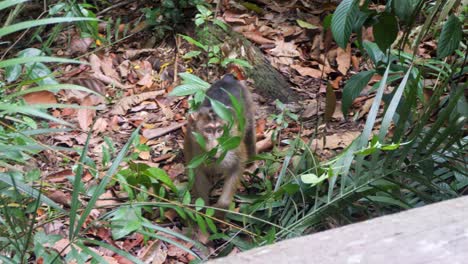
<point x="285" y="49"/>
<point x="343" y="59"/>
<point x="108" y="68"/>
<point x="155" y="253"/>
<point x="307" y="71"/>
<point x="100" y="125"/>
<point x="85" y="115"/>
<point x="257" y="37"/>
<point x="41" y="97"/>
<point x="60" y="197"/>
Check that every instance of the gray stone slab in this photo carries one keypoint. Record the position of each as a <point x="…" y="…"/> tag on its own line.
<point x="436" y="233"/>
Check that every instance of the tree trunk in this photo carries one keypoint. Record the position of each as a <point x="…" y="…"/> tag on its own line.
<point x="267" y="80"/>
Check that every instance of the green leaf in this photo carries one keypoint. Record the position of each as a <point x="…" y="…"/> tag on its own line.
<point x="221" y="110"/>
<point x="199" y="204"/>
<point x="34" y="59"/>
<point x="201" y="223"/>
<point x="239" y="62"/>
<point x="197" y="161"/>
<point x="230" y="143"/>
<point x="450" y="37"/>
<point x="213" y="60"/>
<point x="106" y="179"/>
<point x="191" y="54"/>
<point x="221" y="24"/>
<point x="313" y="179"/>
<point x="304" y="24"/>
<point x="327" y="21"/>
<point x="161" y="176"/>
<point x="35" y="23"/>
<point x="385" y="31"/>
<point x="184" y="89"/>
<point x="392" y="107"/>
<point x="12" y="73"/>
<point x="374" y="52"/>
<point x="342" y="22"/>
<point x="190" y="85"/>
<point x="404" y="8"/>
<point x="204" y="11"/>
<point x="388" y="200"/>
<point x="187" y="198"/>
<point x="8" y="3"/>
<point x="200" y="139"/>
<point x="194" y="42"/>
<point x="125" y="220"/>
<point x="353" y="88"/>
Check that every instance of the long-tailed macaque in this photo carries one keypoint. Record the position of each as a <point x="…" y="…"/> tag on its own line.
<point x="208" y="124"/>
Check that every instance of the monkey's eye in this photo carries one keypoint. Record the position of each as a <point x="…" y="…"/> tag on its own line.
<point x="209" y="130"/>
<point x="219" y="130"/>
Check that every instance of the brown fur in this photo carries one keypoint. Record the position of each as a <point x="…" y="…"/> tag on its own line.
<point x="208" y="124"/>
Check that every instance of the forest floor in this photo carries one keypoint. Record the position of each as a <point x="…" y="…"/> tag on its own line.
<point x="136" y="74"/>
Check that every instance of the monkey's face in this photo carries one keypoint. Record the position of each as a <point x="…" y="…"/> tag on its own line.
<point x="210" y="126"/>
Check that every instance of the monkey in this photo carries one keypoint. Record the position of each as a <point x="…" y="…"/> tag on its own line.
<point x="207" y="123"/>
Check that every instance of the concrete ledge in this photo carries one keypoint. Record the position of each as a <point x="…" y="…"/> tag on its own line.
<point x="436" y="233"/>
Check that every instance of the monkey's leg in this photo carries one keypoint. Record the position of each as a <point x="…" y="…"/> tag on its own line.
<point x="250" y="139"/>
<point x="229" y="188"/>
<point x="202" y="186"/>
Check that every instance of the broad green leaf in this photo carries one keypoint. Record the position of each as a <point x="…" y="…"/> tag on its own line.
<point x="201" y="223"/>
<point x="161" y="175"/>
<point x="199" y="204"/>
<point x="450" y="37"/>
<point x="12" y="73"/>
<point x="203" y="10"/>
<point x="353" y="88"/>
<point x="125" y="220"/>
<point x="385" y="31"/>
<point x="190" y="85"/>
<point x="313" y="179"/>
<point x="187" y="198"/>
<point x="221" y="110"/>
<point x="230" y="143"/>
<point x="40" y="22"/>
<point x="184" y="89"/>
<point x="374" y="52"/>
<point x="327" y="22"/>
<point x="342" y="22"/>
<point x="404" y="8"/>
